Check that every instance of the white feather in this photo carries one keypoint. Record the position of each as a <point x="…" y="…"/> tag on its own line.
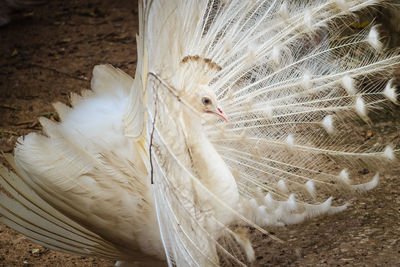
<point x="344" y="176"/>
<point x="348" y="84"/>
<point x="390" y="91"/>
<point x="310" y="187"/>
<point x="318" y="209"/>
<point x="373" y="38"/>
<point x="360" y="107"/>
<point x="276" y="55"/>
<point x="307" y="81"/>
<point x="291" y="203"/>
<point x="282" y="186"/>
<point x="369" y="185"/>
<point x="388" y="153"/>
<point x="290" y="140"/>
<point x="327" y="123"/>
<point x="284" y="11"/>
<point x="342" y="4"/>
<point x="270" y="202"/>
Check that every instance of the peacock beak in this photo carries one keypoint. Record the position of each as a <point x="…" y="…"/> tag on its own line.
<point x="221" y="114"/>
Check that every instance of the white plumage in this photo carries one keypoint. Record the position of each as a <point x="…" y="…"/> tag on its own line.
<point x="240" y="114"/>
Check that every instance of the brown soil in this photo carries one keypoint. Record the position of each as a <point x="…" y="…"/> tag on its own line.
<point x="49" y="51"/>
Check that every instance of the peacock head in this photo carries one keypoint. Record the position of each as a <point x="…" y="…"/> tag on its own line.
<point x="205" y="101"/>
<point x="194" y="74"/>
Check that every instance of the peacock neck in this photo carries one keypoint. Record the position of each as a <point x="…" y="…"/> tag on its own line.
<point x="210" y="168"/>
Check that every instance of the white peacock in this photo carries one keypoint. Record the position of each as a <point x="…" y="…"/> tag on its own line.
<point x="239" y="114"/>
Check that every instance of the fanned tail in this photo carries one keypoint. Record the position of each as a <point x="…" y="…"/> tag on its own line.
<point x="300" y="88"/>
<point x="299" y="93"/>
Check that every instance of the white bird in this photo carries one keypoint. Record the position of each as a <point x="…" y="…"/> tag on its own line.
<point x="240" y="114"/>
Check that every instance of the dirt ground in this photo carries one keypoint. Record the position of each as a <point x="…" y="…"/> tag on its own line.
<point x="49" y="51"/>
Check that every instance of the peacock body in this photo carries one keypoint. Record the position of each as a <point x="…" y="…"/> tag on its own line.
<point x="241" y="113"/>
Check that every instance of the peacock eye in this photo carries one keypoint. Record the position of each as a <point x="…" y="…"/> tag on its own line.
<point x="206" y="101"/>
